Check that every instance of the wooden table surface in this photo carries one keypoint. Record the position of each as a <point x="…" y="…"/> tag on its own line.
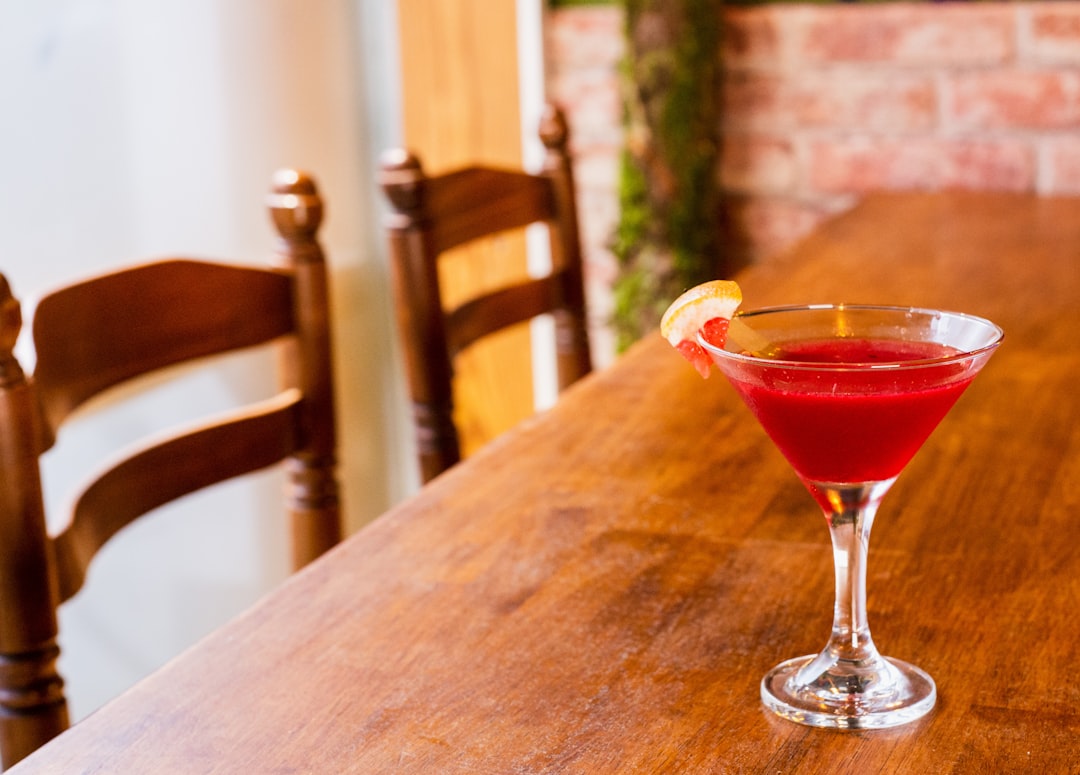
<point x="601" y="589"/>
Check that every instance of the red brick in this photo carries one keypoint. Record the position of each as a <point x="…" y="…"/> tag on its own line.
<point x="597" y="169"/>
<point x="752" y="37"/>
<point x="765" y="225"/>
<point x="868" y="100"/>
<point x="866" y="164"/>
<point x="844" y="98"/>
<point x="826" y="102"/>
<point x="753" y="100"/>
<point x="1040" y="99"/>
<point x="908" y="34"/>
<point x="1053" y="31"/>
<point x="593" y="104"/>
<point x="757" y="164"/>
<point x="590" y="36"/>
<point x="1062" y="166"/>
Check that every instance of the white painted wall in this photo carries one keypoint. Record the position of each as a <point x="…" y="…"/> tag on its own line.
<point x="137" y="128"/>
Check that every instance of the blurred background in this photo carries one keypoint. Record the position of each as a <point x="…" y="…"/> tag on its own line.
<point x="134" y="129"/>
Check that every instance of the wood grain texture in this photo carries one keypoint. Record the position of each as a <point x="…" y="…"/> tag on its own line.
<point x="601" y="589"/>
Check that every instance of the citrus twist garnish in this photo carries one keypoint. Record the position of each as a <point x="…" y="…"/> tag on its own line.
<point x="705" y="309"/>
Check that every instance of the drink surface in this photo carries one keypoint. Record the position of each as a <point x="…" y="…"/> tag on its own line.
<point x="855" y="351"/>
<point x="858" y="424"/>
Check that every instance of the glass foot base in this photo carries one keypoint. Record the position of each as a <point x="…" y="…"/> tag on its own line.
<point x="822" y="692"/>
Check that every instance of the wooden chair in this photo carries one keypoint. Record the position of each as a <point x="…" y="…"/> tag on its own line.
<point x="97" y="334"/>
<point x="431" y="215"/>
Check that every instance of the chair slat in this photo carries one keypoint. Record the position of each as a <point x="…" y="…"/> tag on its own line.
<point x="431" y="215"/>
<point x="480" y="201"/>
<point x="195" y="458"/>
<point x="149" y="317"/>
<point x="500" y="309"/>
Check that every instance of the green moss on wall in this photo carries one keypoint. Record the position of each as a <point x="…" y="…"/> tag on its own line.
<point x="669" y="232"/>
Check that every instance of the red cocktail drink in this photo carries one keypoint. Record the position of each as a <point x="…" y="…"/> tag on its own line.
<point x="862" y="424"/>
<point x="849" y="394"/>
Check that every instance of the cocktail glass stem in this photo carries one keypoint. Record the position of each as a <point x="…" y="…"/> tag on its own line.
<point x="842" y="685"/>
<point x="850" y="512"/>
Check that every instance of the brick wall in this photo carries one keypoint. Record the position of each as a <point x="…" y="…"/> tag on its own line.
<point x="823" y="103"/>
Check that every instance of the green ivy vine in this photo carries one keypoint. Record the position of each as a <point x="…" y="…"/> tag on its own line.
<point x="668" y="237"/>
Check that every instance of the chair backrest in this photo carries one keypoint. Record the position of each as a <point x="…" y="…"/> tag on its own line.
<point x="433" y="214"/>
<point x="94" y="335"/>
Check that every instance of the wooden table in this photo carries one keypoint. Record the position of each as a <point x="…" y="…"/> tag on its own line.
<point x="601" y="589"/>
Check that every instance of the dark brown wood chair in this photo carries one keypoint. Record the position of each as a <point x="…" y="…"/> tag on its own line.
<point x="94" y="335"/>
<point x="433" y="214"/>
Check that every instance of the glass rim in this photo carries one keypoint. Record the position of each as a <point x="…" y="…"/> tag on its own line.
<point x="999" y="335"/>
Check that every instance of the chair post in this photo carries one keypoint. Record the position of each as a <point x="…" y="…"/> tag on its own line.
<point x="32" y="705"/>
<point x="297" y="211"/>
<point x="418" y="305"/>
<point x="571" y="324"/>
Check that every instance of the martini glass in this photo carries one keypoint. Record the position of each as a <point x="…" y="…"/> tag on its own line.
<point x="849" y="393"/>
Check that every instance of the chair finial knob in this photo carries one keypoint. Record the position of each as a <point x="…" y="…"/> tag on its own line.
<point x="553" y="128"/>
<point x="295" y="205"/>
<point x="402" y="177"/>
<point x="10" y="325"/>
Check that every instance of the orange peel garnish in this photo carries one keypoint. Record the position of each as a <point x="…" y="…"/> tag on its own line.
<point x="705" y="309"/>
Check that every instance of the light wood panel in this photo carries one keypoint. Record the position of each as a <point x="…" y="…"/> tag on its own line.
<point x="460" y="105"/>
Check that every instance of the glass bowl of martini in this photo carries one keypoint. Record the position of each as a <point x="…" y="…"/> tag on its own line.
<point x="848" y="394"/>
